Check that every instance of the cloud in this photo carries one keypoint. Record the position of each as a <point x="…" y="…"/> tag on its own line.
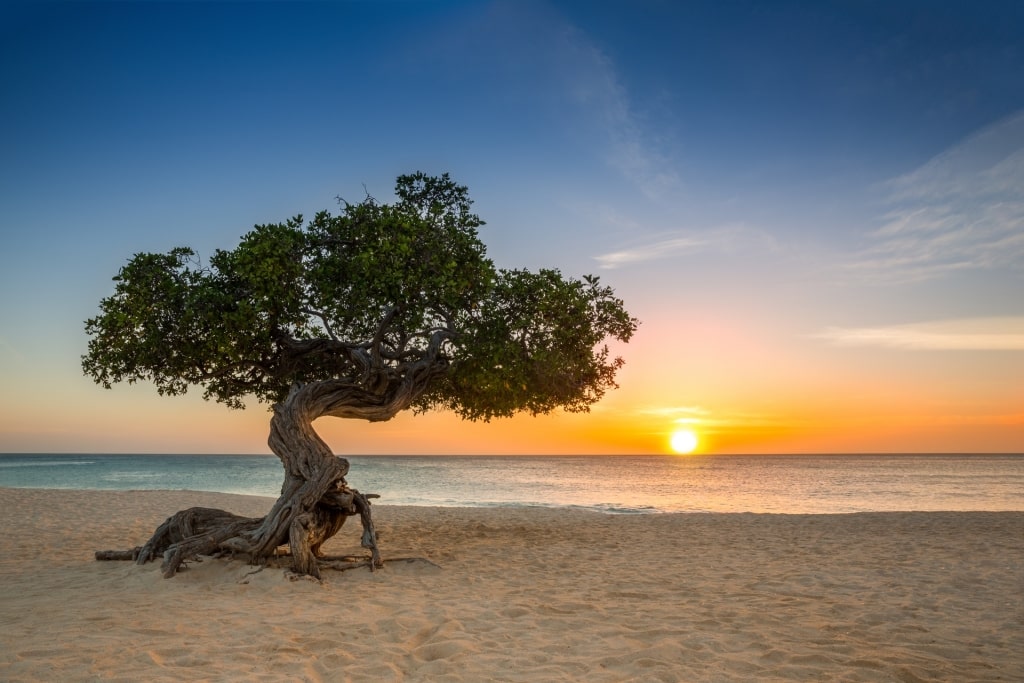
<point x="593" y="82"/>
<point x="680" y="415"/>
<point x="973" y="334"/>
<point x="564" y="64"/>
<point x="650" y="252"/>
<point x="724" y="239"/>
<point x="672" y="411"/>
<point x="963" y="210"/>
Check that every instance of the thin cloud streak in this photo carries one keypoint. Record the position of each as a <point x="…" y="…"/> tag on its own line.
<point x="708" y="421"/>
<point x="726" y="239"/>
<point x="669" y="411"/>
<point x="594" y="83"/>
<point x="963" y="210"/>
<point x="977" y="334"/>
<point x="650" y="252"/>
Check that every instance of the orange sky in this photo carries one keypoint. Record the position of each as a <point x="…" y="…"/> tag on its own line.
<point x="737" y="392"/>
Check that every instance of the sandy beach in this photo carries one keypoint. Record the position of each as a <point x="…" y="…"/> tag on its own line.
<point x="519" y="595"/>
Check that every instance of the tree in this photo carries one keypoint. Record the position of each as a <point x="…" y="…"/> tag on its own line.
<point x="378" y="309"/>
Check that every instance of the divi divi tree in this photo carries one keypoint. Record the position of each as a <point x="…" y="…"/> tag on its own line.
<point x="362" y="314"/>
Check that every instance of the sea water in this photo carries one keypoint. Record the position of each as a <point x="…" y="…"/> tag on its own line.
<point x="617" y="484"/>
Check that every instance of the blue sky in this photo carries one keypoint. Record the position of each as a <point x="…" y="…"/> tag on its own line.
<point x="808" y="204"/>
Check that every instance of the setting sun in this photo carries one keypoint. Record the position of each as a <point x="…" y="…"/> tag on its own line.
<point x="683" y="441"/>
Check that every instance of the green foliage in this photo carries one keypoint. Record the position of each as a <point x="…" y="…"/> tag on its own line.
<point x="535" y="343"/>
<point x="367" y="296"/>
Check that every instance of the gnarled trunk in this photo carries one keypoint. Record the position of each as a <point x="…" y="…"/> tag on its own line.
<point x="315" y="498"/>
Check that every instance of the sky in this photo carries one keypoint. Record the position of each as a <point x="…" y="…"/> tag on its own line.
<point x="816" y="209"/>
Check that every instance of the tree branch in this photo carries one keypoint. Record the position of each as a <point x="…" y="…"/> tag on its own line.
<point x="378" y="338"/>
<point x="323" y="321"/>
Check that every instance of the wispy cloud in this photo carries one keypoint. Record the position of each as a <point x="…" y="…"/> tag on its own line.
<point x="680" y="415"/>
<point x="672" y="411"/>
<point x="974" y="334"/>
<point x="567" y="66"/>
<point x="650" y="252"/>
<point x="963" y="210"/>
<point x="724" y="239"/>
<point x="709" y="421"/>
<point x="593" y="81"/>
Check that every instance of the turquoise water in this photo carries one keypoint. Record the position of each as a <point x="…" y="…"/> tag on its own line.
<point x="624" y="484"/>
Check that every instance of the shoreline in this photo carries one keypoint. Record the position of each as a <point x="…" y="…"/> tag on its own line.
<point x="520" y="594"/>
<point x="635" y="485"/>
<point x="189" y="494"/>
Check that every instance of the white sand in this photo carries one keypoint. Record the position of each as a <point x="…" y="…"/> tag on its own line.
<point x="521" y="595"/>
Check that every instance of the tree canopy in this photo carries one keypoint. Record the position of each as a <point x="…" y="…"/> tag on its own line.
<point x="360" y="314"/>
<point x="398" y="303"/>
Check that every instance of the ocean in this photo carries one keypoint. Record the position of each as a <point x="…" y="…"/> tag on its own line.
<point x="613" y="484"/>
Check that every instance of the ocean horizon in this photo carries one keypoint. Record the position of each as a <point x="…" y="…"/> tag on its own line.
<point x="793" y="484"/>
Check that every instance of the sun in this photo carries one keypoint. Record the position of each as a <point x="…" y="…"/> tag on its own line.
<point x="684" y="441"/>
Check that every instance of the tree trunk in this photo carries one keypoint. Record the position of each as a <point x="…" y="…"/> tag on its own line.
<point x="315" y="499"/>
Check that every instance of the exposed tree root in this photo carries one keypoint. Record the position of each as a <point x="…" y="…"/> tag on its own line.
<point x="200" y="531"/>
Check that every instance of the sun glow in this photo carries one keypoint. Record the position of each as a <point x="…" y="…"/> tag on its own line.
<point x="684" y="441"/>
